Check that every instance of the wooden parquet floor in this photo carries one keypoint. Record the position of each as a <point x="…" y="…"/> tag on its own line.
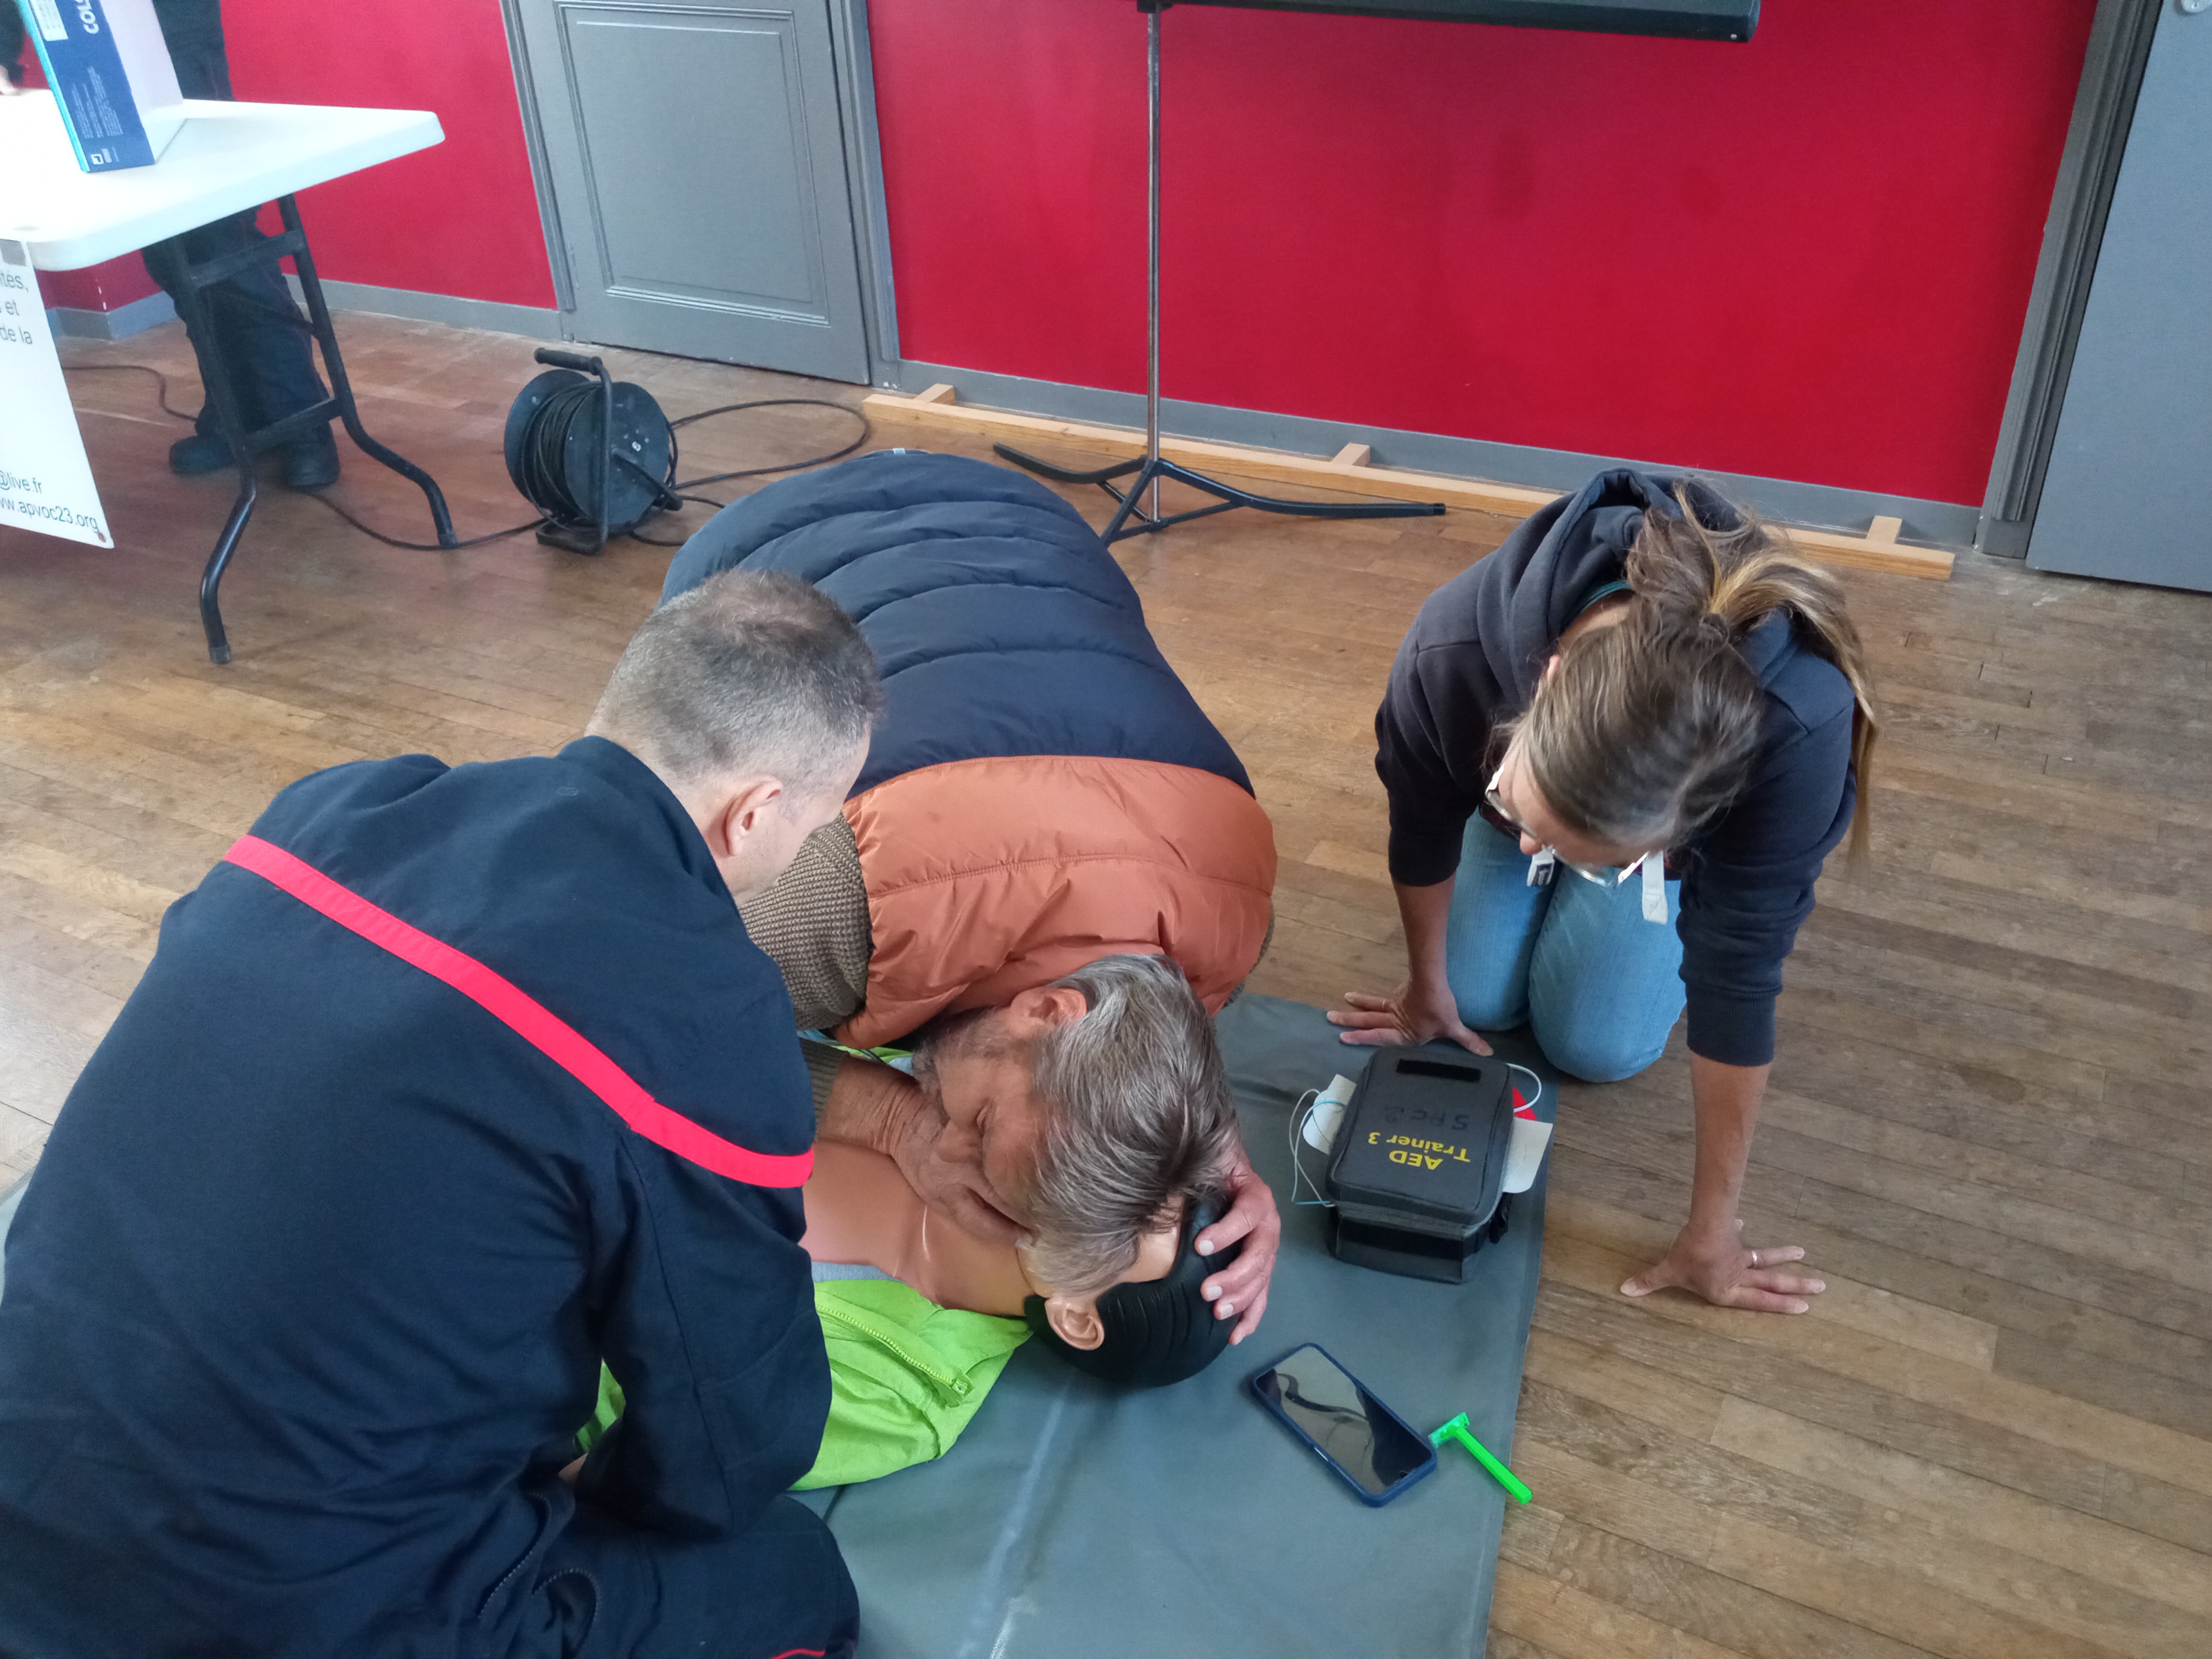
<point x="1991" y="1119"/>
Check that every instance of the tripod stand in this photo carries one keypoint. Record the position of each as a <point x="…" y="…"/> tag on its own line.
<point x="1131" y="519"/>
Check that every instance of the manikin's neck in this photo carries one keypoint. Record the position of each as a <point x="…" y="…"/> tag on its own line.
<point x="860" y="1209"/>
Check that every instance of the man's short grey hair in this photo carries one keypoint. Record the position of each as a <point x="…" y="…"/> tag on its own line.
<point x="1140" y="1120"/>
<point x="750" y="672"/>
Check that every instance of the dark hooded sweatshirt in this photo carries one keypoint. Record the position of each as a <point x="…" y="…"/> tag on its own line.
<point x="309" y="1291"/>
<point x="1472" y="660"/>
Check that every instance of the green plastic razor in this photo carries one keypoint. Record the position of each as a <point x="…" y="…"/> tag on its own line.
<point x="1457" y="1429"/>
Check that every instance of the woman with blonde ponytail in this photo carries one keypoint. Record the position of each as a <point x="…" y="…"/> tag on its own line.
<point x="1617" y="750"/>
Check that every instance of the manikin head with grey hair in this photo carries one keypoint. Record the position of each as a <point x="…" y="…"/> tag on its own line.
<point x="1097" y="1107"/>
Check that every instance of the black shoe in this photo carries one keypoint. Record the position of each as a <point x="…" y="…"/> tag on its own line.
<point x="311" y="463"/>
<point x="204" y="452"/>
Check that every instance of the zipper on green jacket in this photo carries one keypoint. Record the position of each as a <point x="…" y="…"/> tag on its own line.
<point x="891" y="1338"/>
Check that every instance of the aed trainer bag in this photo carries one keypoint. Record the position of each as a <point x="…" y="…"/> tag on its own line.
<point x="1418" y="1162"/>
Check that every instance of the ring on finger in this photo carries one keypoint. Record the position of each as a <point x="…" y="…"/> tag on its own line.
<point x="1754" y="1258"/>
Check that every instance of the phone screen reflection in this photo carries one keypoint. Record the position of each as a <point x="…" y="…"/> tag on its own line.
<point x="1344" y="1420"/>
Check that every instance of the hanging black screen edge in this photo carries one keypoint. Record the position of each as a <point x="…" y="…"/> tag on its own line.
<point x="1679" y="19"/>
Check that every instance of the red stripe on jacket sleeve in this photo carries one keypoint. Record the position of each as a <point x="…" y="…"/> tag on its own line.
<point x="524" y="1016"/>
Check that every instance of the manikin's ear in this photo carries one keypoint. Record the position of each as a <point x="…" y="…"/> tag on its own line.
<point x="1074" y="1319"/>
<point x="1048" y="1005"/>
<point x="743" y="803"/>
<point x="1552" y="667"/>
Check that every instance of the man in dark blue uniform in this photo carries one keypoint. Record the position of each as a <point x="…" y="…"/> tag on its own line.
<point x="445" y="1083"/>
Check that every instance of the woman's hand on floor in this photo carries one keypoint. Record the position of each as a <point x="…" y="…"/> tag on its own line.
<point x="1240" y="1290"/>
<point x="1411" y="1014"/>
<point x="1719" y="1268"/>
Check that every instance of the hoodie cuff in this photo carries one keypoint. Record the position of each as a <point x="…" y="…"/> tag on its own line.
<point x="1735" y="1030"/>
<point x="1426" y="851"/>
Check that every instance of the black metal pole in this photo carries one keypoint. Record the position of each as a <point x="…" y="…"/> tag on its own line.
<point x="1153" y="249"/>
<point x="1130" y="517"/>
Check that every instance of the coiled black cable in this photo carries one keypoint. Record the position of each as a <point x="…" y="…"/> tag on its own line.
<point x="543" y="474"/>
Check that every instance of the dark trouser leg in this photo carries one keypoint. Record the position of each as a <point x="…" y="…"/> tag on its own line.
<point x="608" y="1591"/>
<point x="264" y="339"/>
<point x="272" y="365"/>
<point x="11" y="45"/>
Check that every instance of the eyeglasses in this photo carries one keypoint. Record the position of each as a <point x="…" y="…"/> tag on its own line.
<point x="1605" y="875"/>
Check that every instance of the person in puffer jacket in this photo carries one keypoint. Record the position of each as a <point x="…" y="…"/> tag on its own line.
<point x="1050" y="873"/>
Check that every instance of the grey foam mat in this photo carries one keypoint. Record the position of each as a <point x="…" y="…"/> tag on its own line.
<point x="1072" y="1522"/>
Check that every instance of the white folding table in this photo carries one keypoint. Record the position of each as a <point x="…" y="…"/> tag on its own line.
<point x="226" y="159"/>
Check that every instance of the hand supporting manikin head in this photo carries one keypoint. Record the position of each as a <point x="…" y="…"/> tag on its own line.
<point x="1152" y="1327"/>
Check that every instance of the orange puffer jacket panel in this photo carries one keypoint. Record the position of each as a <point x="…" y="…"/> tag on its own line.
<point x="986" y="877"/>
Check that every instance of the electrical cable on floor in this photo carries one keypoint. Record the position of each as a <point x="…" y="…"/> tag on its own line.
<point x="161" y="382"/>
<point x="866" y="431"/>
<point x="544" y="470"/>
<point x="423" y="547"/>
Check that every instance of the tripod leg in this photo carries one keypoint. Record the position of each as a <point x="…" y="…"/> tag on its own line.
<point x="1235" y="497"/>
<point x="1063" y="474"/>
<point x="1148" y="472"/>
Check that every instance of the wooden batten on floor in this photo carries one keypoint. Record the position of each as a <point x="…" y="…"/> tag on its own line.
<point x="1350" y="471"/>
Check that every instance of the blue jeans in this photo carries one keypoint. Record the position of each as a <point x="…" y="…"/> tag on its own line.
<point x="1599" y="985"/>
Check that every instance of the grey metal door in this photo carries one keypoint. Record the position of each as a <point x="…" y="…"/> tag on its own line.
<point x="2134" y="433"/>
<point x="698" y="175"/>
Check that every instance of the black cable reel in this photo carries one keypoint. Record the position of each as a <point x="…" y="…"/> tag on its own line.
<point x="595" y="455"/>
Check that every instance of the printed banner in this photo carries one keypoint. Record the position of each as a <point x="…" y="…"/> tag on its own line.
<point x="46" y="481"/>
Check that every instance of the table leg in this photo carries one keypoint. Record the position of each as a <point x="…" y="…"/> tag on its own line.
<point x="191" y="296"/>
<point x="319" y="315"/>
<point x="220" y="392"/>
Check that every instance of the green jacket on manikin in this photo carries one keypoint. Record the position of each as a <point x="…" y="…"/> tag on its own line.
<point x="905" y="1377"/>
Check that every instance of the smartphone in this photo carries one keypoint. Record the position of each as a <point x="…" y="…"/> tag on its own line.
<point x="1355" y="1433"/>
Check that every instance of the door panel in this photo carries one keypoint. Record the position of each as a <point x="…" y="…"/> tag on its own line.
<point x="697" y="163"/>
<point x="2120" y="498"/>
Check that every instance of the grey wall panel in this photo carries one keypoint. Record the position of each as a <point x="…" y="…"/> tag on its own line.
<point x="2096" y="135"/>
<point x="2120" y="496"/>
<point x="715" y="205"/>
<point x="695" y="153"/>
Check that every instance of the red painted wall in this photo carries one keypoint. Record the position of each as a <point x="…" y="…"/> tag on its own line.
<point x="460" y="218"/>
<point x="1809" y="257"/>
<point x="108" y="287"/>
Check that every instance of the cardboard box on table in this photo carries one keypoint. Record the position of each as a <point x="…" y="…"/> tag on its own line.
<point x="111" y="78"/>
